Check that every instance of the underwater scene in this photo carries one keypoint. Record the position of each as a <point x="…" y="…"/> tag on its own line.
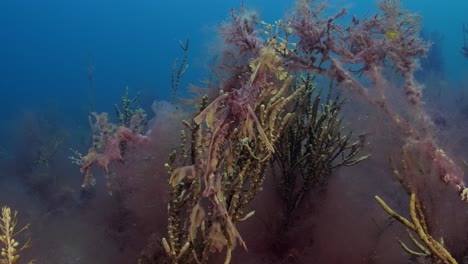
<point x="253" y="132"/>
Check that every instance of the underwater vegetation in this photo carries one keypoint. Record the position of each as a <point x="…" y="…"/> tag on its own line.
<point x="10" y="245"/>
<point x="251" y="170"/>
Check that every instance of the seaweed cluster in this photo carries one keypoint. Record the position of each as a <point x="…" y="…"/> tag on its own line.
<point x="267" y="118"/>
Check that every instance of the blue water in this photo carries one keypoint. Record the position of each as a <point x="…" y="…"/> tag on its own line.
<point x="47" y="46"/>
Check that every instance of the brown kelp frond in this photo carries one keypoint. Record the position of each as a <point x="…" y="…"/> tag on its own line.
<point x="313" y="145"/>
<point x="232" y="141"/>
<point x="11" y="247"/>
<point x="430" y="247"/>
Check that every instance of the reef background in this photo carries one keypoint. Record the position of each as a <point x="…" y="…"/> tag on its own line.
<point x="60" y="61"/>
